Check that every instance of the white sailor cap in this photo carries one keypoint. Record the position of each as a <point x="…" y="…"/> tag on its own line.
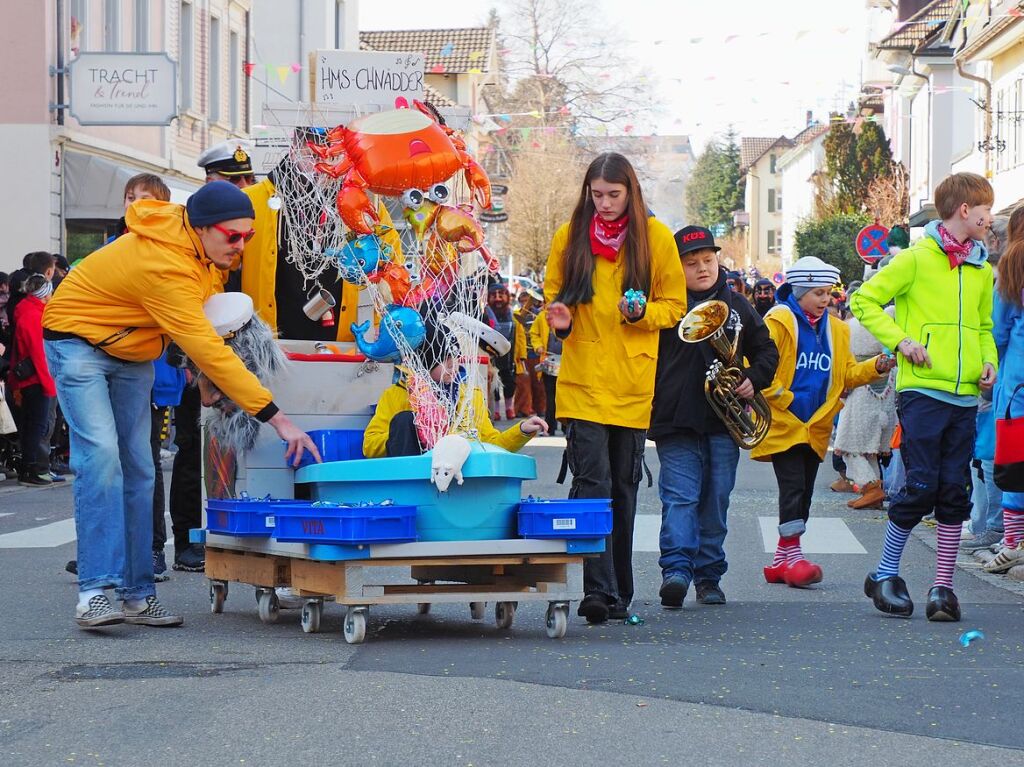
<point x="228" y="158"/>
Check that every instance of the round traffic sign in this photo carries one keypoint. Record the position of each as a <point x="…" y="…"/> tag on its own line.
<point x="872" y="243"/>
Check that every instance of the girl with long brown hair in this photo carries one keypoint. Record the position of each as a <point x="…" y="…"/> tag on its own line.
<point x="613" y="280"/>
<point x="1008" y="330"/>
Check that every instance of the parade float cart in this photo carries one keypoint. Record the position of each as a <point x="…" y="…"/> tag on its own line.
<point x="462" y="545"/>
<point x="457" y="546"/>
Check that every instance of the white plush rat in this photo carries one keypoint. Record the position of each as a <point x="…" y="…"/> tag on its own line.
<point x="447" y="458"/>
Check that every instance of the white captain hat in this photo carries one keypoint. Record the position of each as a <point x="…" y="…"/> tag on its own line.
<point x="228" y="158"/>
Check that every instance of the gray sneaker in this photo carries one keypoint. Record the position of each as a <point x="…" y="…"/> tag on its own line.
<point x="99" y="612"/>
<point x="153" y="614"/>
<point x="986" y="540"/>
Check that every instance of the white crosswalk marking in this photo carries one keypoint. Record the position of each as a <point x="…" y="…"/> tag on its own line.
<point x="646" y="532"/>
<point x="42" y="537"/>
<point x="825" y="535"/>
<point x="7" y="514"/>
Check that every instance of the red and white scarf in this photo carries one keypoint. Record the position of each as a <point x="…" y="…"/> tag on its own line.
<point x="606" y="237"/>
<point x="956" y="251"/>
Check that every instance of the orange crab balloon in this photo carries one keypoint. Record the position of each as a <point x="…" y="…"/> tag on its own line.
<point x="390" y="152"/>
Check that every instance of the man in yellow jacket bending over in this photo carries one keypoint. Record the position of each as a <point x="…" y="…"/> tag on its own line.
<point x="110" y="319"/>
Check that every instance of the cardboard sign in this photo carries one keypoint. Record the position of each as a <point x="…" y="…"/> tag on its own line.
<point x="365" y="78"/>
<point x="123" y="89"/>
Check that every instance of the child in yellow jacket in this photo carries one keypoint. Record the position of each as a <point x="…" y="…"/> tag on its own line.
<point x="815" y="366"/>
<point x="392" y="430"/>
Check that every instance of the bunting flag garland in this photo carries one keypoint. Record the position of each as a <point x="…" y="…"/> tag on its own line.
<point x="248" y="67"/>
<point x="282" y="74"/>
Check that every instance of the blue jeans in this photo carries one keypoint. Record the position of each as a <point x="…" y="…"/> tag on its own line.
<point x="697" y="475"/>
<point x="986" y="501"/>
<point x="105" y="402"/>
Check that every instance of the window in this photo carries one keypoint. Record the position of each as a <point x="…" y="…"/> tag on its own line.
<point x="234" y="79"/>
<point x="771" y="163"/>
<point x="79" y="25"/>
<point x="778" y="200"/>
<point x="774" y="242"/>
<point x="112" y="25"/>
<point x="771" y="201"/>
<point x="185" y="55"/>
<point x="142" y="26"/>
<point x="214" y="108"/>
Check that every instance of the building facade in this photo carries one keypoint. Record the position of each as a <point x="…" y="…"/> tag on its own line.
<point x="763" y="200"/>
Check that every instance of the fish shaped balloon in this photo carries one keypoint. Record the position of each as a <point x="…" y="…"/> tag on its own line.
<point x="358" y="257"/>
<point x="397" y="321"/>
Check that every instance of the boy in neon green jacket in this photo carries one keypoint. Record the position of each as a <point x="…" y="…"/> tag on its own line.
<point x="942" y="331"/>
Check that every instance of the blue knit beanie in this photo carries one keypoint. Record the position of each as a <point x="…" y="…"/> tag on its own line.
<point x="218" y="201"/>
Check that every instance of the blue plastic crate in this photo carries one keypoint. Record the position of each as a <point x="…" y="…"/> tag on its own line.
<point x="249" y="517"/>
<point x="334" y="445"/>
<point x="318" y="523"/>
<point x="565" y="518"/>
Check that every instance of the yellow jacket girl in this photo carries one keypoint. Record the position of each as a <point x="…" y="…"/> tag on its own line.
<point x="613" y="280"/>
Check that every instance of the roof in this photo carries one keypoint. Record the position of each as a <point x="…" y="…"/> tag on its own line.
<point x="754" y="148"/>
<point x="979" y="40"/>
<point x="811" y="132"/>
<point x="436" y="98"/>
<point x="920" y="29"/>
<point x="447" y="51"/>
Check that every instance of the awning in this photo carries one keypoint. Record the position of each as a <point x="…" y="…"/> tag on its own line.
<point x="94" y="187"/>
<point x="926" y="213"/>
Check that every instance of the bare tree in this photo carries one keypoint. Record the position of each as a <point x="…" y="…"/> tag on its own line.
<point x="888" y="197"/>
<point x="547" y="173"/>
<point x="561" y="60"/>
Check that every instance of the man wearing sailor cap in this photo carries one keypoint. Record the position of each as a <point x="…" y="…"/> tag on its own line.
<point x="229" y="161"/>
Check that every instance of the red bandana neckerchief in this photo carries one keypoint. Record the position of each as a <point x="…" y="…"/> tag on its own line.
<point x="811" y="318"/>
<point x="606" y="237"/>
<point x="956" y="250"/>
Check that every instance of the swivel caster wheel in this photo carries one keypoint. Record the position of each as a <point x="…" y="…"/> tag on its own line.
<point x="218" y="595"/>
<point x="355" y="625"/>
<point x="504" y="614"/>
<point x="269" y="607"/>
<point x="310" y="616"/>
<point x="477" y="610"/>
<point x="557" y="619"/>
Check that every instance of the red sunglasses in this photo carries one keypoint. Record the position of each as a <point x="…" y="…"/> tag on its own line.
<point x="234" y="236"/>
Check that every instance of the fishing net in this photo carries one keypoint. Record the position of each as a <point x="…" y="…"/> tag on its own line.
<point x="426" y="286"/>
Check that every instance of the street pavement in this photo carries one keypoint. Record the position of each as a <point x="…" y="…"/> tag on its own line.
<point x="776" y="676"/>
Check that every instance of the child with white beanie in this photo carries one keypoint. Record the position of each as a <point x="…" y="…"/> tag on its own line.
<point x="815" y="367"/>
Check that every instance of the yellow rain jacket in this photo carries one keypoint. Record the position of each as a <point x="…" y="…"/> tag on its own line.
<point x="787" y="430"/>
<point x="608" y="364"/>
<point x="151" y="283"/>
<point x="395" y="400"/>
<point x="259" y="262"/>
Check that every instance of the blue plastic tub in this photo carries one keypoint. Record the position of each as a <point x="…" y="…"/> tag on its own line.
<point x="311" y="523"/>
<point x="483" y="508"/>
<point x="334" y="445"/>
<point x="248" y="517"/>
<point x="565" y="518"/>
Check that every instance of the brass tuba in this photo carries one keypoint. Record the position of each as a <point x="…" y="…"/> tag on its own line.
<point x="747" y="422"/>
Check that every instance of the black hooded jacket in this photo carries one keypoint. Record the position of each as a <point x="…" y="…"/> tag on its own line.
<point x="679" y="401"/>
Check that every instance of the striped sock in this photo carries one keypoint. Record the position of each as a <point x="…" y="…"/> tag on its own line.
<point x="946" y="552"/>
<point x="1013" y="527"/>
<point x="892" y="550"/>
<point x="783" y="552"/>
<point x="794" y="553"/>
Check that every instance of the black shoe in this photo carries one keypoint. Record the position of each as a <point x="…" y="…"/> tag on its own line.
<point x="942" y="605"/>
<point x="191" y="559"/>
<point x="710" y="593"/>
<point x="618" y="612"/>
<point x="72" y="566"/>
<point x="673" y="592"/>
<point x="593" y="608"/>
<point x="35" y="480"/>
<point x="160" y="567"/>
<point x="889" y="595"/>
